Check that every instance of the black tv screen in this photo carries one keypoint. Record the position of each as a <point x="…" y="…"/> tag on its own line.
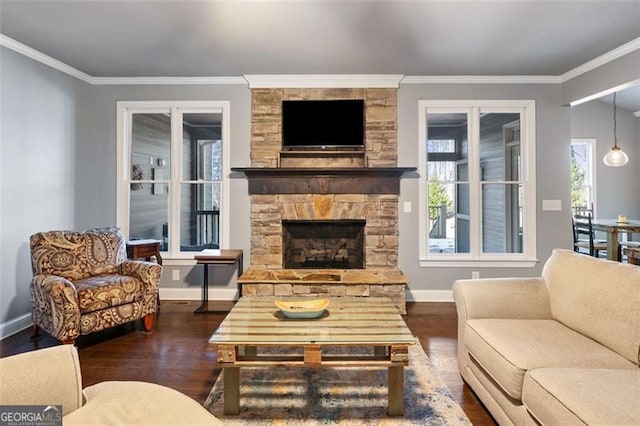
<point x="323" y="124"/>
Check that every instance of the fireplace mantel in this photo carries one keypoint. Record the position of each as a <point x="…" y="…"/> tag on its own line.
<point x="311" y="180"/>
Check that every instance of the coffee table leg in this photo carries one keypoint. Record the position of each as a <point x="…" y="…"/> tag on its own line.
<point x="396" y="391"/>
<point x="231" y="390"/>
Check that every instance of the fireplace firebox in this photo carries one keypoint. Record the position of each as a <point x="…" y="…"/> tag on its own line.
<point x="326" y="244"/>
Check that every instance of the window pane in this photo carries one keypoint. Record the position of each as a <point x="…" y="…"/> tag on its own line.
<point x="148" y="207"/>
<point x="199" y="216"/>
<point x="150" y="146"/>
<point x="202" y="146"/>
<point x="443" y="171"/>
<point x="502" y="218"/>
<point x="581" y="175"/>
<point x="499" y="146"/>
<point x="441" y="145"/>
<point x="448" y="225"/>
<point x="445" y="126"/>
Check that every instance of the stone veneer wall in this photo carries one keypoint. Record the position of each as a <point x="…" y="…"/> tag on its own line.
<point x="379" y="210"/>
<point x="380" y="122"/>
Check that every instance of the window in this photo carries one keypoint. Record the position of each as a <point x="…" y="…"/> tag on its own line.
<point x="582" y="173"/>
<point x="172" y="174"/>
<point x="477" y="191"/>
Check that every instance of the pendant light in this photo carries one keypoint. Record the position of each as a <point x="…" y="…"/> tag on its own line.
<point x="615" y="157"/>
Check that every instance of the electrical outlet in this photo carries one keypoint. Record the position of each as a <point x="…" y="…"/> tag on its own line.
<point x="475" y="275"/>
<point x="175" y="274"/>
<point x="407" y="206"/>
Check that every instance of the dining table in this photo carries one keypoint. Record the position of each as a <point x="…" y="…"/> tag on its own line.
<point x="614" y="228"/>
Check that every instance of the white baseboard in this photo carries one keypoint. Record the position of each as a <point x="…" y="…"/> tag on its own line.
<point x="15" y="325"/>
<point x="429" y="295"/>
<point x="223" y="294"/>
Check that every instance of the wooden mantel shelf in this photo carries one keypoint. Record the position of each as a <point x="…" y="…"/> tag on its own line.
<point x="311" y="180"/>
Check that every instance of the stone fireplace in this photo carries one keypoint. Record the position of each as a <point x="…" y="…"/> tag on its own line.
<point x="324" y="189"/>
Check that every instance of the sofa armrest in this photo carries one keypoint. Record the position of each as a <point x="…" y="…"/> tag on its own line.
<point x="48" y="376"/>
<point x="503" y="298"/>
<point x="55" y="306"/>
<point x="147" y="272"/>
<point x="515" y="298"/>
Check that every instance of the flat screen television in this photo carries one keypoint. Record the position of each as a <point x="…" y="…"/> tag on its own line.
<point x="323" y="124"/>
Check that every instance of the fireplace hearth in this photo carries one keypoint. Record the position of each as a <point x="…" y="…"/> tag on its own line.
<point x="323" y="244"/>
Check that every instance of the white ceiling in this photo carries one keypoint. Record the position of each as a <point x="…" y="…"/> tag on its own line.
<point x="189" y="38"/>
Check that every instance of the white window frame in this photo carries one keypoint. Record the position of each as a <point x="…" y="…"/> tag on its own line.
<point x="591" y="144"/>
<point x="125" y="110"/>
<point x="476" y="258"/>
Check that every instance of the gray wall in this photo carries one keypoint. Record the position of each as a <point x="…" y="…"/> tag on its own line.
<point x="552" y="151"/>
<point x="617" y="188"/>
<point x="44" y="125"/>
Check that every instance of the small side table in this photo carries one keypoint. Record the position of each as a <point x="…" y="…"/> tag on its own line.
<point x="215" y="257"/>
<point x="145" y="249"/>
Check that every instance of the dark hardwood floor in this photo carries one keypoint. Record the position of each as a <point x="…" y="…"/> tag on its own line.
<point x="177" y="353"/>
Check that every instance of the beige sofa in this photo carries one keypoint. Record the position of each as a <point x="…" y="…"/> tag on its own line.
<point x="52" y="377"/>
<point x="561" y="349"/>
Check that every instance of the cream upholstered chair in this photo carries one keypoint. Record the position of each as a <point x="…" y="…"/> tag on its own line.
<point x="52" y="376"/>
<point x="82" y="282"/>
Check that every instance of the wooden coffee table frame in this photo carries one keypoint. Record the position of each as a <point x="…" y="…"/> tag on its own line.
<point x="349" y="322"/>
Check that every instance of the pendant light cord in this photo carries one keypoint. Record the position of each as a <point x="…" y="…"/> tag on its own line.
<point x="615" y="137"/>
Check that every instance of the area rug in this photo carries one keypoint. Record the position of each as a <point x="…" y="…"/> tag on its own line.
<point x="339" y="396"/>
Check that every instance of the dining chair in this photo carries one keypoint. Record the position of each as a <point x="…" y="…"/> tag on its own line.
<point x="583" y="236"/>
<point x="634" y="246"/>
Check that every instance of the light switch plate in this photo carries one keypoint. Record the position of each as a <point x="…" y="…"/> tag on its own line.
<point x="551" y="205"/>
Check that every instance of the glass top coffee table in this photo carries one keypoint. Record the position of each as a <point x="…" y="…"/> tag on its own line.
<point x="255" y="324"/>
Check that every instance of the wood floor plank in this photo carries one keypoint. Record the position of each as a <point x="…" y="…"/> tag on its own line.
<point x="178" y="354"/>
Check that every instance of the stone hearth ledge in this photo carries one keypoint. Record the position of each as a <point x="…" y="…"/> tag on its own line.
<point x="390" y="283"/>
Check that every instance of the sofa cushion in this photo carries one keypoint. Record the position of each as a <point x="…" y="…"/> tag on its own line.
<point x="138" y="403"/>
<point x="573" y="396"/>
<point x="507" y="349"/>
<point x="106" y="291"/>
<point x="597" y="298"/>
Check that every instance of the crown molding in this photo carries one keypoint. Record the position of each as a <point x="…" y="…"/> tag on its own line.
<point x="612" y="55"/>
<point x="166" y="80"/>
<point x="324" y="80"/>
<point x="481" y="79"/>
<point x="605" y="92"/>
<point x="27" y="51"/>
<point x="321" y="81"/>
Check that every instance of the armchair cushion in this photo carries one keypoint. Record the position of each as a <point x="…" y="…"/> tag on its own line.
<point x="138" y="403"/>
<point x="106" y="291"/>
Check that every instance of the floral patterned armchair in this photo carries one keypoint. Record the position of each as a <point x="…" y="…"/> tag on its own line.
<point x="83" y="283"/>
